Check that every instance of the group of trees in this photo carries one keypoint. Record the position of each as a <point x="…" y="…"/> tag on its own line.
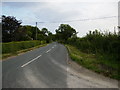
<point x="12" y="30"/>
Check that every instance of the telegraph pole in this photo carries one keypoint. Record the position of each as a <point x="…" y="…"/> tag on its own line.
<point x="36" y="30"/>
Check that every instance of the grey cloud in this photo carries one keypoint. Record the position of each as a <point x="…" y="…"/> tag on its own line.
<point x="48" y="12"/>
<point x="21" y="4"/>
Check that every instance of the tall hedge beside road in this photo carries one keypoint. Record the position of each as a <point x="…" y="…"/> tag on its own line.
<point x="99" y="43"/>
<point x="13" y="47"/>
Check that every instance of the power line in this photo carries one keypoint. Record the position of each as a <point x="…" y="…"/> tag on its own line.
<point x="81" y="20"/>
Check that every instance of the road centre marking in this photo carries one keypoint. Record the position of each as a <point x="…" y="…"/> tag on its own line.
<point x="31" y="61"/>
<point x="35" y="58"/>
<point x="48" y="50"/>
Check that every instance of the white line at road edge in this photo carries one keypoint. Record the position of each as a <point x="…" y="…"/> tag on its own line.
<point x="31" y="61"/>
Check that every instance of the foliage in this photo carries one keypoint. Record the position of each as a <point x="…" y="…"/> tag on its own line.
<point x="13" y="31"/>
<point x="9" y="26"/>
<point x="97" y="42"/>
<point x="64" y="32"/>
<point x="21" y="34"/>
<point x="92" y="62"/>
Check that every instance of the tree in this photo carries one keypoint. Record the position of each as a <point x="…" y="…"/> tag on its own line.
<point x="31" y="31"/>
<point x="21" y="34"/>
<point x="44" y="31"/>
<point x="9" y="25"/>
<point x="64" y="32"/>
<point x="47" y="35"/>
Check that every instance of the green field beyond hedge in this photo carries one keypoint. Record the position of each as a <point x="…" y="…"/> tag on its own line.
<point x="13" y="47"/>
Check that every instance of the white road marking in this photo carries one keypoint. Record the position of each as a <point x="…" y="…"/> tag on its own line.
<point x="52" y="47"/>
<point x="48" y="50"/>
<point x="31" y="61"/>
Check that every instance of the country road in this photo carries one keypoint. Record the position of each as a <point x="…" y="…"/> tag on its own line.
<point x="50" y="67"/>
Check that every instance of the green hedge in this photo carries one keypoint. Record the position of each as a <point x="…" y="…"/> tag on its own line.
<point x="98" y="43"/>
<point x="13" y="47"/>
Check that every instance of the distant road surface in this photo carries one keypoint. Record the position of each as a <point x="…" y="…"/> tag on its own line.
<point x="50" y="67"/>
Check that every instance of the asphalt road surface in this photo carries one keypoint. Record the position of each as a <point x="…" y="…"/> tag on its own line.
<point x="48" y="67"/>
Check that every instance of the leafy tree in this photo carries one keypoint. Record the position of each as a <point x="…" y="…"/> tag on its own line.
<point x="64" y="32"/>
<point x="31" y="31"/>
<point x="22" y="34"/>
<point x="50" y="36"/>
<point x="9" y="25"/>
<point x="47" y="35"/>
<point x="44" y="31"/>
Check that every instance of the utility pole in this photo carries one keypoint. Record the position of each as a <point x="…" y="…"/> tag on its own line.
<point x="36" y="30"/>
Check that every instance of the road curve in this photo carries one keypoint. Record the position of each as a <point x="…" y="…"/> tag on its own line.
<point x="45" y="67"/>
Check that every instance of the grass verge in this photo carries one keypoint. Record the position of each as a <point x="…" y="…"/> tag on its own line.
<point x="94" y="62"/>
<point x="17" y="52"/>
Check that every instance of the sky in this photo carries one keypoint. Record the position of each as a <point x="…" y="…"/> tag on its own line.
<point x="81" y="15"/>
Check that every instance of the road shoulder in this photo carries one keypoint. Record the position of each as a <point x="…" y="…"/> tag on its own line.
<point x="99" y="80"/>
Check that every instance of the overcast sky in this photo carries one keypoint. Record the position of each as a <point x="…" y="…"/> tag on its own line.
<point x="63" y="10"/>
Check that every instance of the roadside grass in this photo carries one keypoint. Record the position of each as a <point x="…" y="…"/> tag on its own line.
<point x="97" y="63"/>
<point x="16" y="48"/>
<point x="4" y="56"/>
<point x="12" y="47"/>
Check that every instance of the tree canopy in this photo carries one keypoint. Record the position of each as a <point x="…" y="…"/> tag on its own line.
<point x="9" y="25"/>
<point x="12" y="30"/>
<point x="64" y="32"/>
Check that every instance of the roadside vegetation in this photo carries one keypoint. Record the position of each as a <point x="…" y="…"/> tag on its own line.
<point x="14" y="48"/>
<point x="94" y="62"/>
<point x="17" y="38"/>
<point x="96" y="51"/>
